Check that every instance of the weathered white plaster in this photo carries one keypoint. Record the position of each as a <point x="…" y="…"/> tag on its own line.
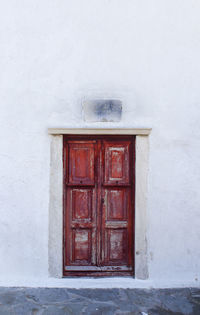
<point x="56" y="208"/>
<point x="53" y="55"/>
<point x="141" y="177"/>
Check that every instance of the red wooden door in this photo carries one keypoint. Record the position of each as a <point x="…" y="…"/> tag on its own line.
<point x="98" y="205"/>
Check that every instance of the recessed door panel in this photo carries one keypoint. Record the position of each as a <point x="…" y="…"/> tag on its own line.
<point x="81" y="204"/>
<point x="116" y="163"/>
<point x="81" y="163"/>
<point x="116" y="204"/>
<point x="81" y="246"/>
<point x="116" y="246"/>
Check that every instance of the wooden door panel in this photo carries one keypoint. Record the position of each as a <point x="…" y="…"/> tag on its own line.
<point x="116" y="226"/>
<point x="81" y="204"/>
<point x="81" y="246"/>
<point x="116" y="163"/>
<point x="98" y="209"/>
<point x="116" y="249"/>
<point x="80" y="226"/>
<point x="116" y="201"/>
<point x="81" y="163"/>
<point x="116" y="210"/>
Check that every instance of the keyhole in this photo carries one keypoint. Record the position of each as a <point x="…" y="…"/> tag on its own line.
<point x="81" y="181"/>
<point x="116" y="181"/>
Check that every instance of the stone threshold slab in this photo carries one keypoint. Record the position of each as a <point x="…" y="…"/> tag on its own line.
<point x="98" y="283"/>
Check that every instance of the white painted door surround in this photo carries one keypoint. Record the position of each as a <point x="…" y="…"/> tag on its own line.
<point x="56" y="196"/>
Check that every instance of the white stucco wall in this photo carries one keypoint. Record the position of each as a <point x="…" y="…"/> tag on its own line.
<point x="53" y="54"/>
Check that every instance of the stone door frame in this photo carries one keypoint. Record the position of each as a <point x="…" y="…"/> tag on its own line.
<point x="55" y="244"/>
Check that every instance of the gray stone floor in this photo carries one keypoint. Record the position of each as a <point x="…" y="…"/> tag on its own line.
<point x="37" y="301"/>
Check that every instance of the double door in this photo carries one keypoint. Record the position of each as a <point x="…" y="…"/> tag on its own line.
<point x="98" y="205"/>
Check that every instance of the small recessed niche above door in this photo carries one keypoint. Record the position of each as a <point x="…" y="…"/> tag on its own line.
<point x="102" y="110"/>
